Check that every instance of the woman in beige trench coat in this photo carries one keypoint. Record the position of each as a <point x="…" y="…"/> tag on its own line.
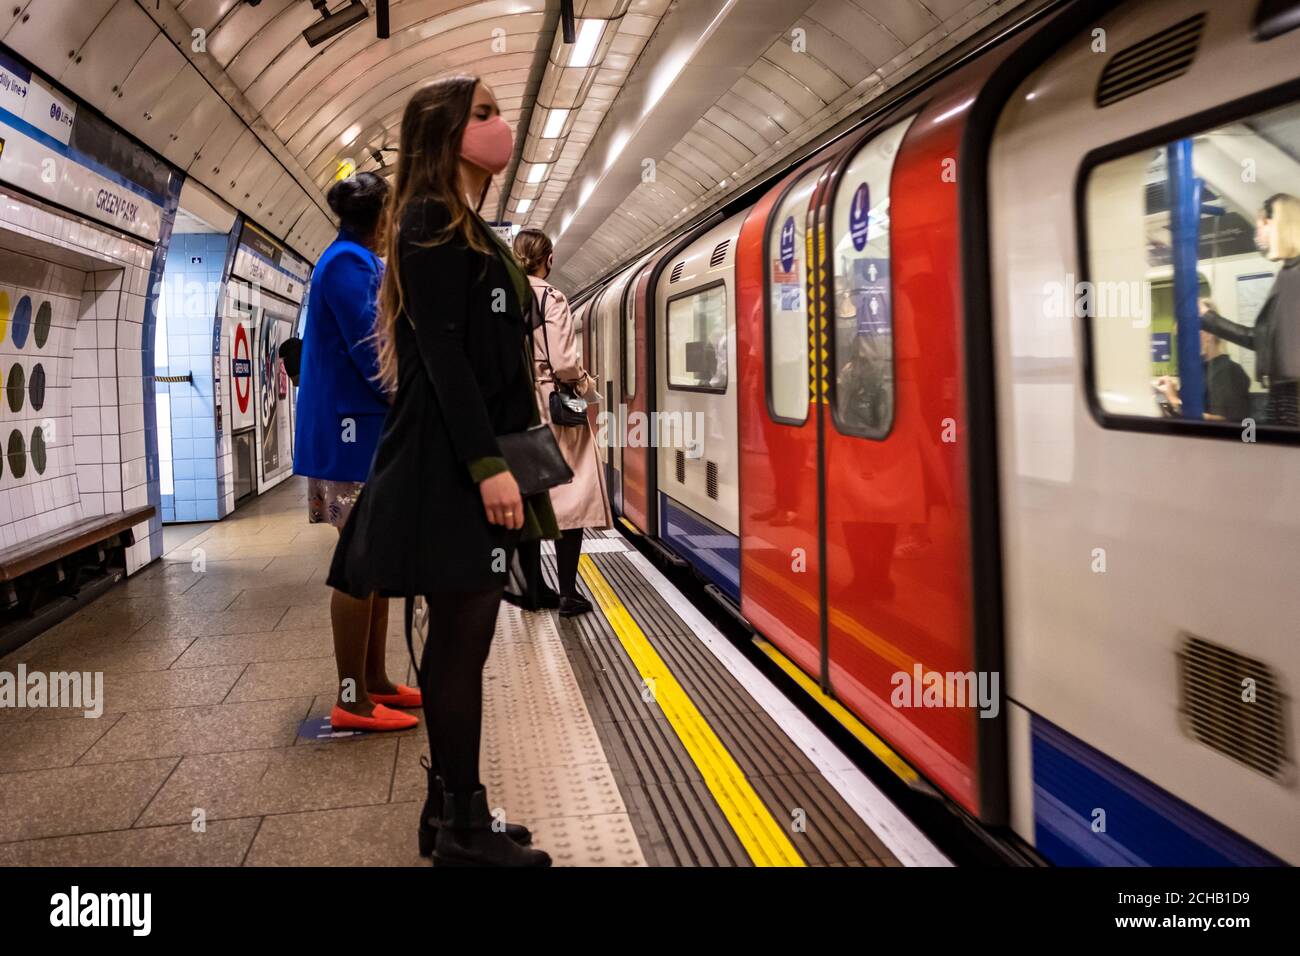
<point x="583" y="502"/>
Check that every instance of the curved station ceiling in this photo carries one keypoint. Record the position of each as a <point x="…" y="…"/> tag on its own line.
<point x="658" y="110"/>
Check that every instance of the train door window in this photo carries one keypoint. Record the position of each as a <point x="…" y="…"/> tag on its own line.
<point x="629" y="339"/>
<point x="1196" y="239"/>
<point x="787" y="308"/>
<point x="861" y="367"/>
<point x="697" y="340"/>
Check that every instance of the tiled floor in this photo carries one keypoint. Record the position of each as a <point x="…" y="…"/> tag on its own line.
<point x="212" y="659"/>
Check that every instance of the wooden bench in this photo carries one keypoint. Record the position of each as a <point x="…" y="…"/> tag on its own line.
<point x="43" y="551"/>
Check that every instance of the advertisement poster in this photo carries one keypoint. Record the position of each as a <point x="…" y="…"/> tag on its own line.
<point x="272" y="398"/>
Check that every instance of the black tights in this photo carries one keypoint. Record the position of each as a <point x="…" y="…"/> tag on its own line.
<point x="461" y="626"/>
<point x="567" y="551"/>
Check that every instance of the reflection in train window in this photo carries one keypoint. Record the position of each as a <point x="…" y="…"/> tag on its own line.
<point x="1193" y="299"/>
<point x="862" y="360"/>
<point x="697" y="340"/>
<point x="787" y="311"/>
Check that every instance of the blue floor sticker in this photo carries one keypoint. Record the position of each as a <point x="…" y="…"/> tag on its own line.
<point x="319" y="728"/>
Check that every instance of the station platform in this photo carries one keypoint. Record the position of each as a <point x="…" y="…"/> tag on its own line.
<point x="637" y="735"/>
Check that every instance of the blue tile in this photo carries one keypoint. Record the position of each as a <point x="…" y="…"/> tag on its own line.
<point x="183" y="427"/>
<point x="204" y="427"/>
<point x="182" y="449"/>
<point x="184" y="469"/>
<point x="206" y="509"/>
<point x="205" y="468"/>
<point x="186" y="511"/>
<point x="185" y="491"/>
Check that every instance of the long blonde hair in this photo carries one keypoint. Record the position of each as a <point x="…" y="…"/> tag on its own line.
<point x="428" y="167"/>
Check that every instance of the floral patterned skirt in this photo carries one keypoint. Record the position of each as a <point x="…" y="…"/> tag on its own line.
<point x="330" y="502"/>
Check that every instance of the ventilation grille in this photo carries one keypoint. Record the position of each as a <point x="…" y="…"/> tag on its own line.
<point x="719" y="253"/>
<point x="711" y="479"/>
<point x="1157" y="59"/>
<point x="677" y="271"/>
<point x="681" y="467"/>
<point x="1250" y="731"/>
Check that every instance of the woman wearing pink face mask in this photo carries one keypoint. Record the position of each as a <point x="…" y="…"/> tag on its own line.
<point x="440" y="513"/>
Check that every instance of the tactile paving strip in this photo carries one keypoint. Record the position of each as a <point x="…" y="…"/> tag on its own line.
<point x="542" y="760"/>
<point x="677" y="818"/>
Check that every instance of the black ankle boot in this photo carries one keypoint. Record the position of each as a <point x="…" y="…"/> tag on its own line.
<point x="544" y="599"/>
<point x="467" y="837"/>
<point x="431" y="816"/>
<point x="573" y="606"/>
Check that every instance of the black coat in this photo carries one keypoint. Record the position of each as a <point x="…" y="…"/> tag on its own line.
<point x="419" y="526"/>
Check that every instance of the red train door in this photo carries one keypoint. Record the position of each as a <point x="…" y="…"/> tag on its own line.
<point x="779" y="559"/>
<point x="638" y="389"/>
<point x="896" y="533"/>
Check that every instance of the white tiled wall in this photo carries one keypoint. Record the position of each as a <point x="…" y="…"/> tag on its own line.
<point x="35" y="496"/>
<point x="96" y="282"/>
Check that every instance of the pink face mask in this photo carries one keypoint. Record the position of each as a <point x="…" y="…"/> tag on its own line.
<point x="488" y="144"/>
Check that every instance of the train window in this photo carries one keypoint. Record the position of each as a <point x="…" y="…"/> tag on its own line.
<point x="787" y="311"/>
<point x="697" y="340"/>
<point x="1192" y="298"/>
<point x="862" y="358"/>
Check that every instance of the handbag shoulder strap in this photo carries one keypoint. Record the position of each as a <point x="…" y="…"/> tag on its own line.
<point x="546" y="339"/>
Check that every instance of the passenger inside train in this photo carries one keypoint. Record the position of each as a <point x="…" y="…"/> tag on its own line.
<point x="796" y="434"/>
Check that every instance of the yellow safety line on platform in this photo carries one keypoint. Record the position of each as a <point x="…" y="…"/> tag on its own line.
<point x="629" y="525"/>
<point x="837" y="710"/>
<point x="762" y="836"/>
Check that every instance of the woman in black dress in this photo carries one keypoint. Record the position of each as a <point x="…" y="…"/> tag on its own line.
<point x="440" y="514"/>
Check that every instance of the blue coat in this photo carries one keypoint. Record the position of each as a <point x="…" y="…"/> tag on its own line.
<point x="341" y="406"/>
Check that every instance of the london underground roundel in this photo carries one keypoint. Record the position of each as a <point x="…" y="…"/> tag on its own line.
<point x="241" y="369"/>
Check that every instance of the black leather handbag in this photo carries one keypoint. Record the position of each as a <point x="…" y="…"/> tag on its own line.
<point x="535" y="460"/>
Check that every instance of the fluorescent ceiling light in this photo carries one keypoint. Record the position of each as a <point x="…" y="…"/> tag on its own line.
<point x="537" y="173"/>
<point x="523" y="206"/>
<point x="351" y="133"/>
<point x="584" y="48"/>
<point x="554" y="123"/>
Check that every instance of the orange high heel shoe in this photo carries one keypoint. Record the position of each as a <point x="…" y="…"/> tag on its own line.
<point x="405" y="697"/>
<point x="381" y="719"/>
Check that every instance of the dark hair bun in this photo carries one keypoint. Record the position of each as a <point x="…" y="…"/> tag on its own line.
<point x="358" y="200"/>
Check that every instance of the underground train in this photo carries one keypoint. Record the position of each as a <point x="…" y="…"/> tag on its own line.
<point x="904" y="410"/>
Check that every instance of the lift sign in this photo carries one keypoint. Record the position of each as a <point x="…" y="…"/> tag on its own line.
<point x="860" y="217"/>
<point x="787" y="245"/>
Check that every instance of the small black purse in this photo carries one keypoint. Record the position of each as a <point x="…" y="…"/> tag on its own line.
<point x="534" y="458"/>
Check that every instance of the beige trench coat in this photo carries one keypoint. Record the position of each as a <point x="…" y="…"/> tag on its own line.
<point x="583" y="502"/>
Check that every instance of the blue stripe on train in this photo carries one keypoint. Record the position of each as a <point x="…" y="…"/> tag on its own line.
<point x="1144" y="825"/>
<point x="711" y="550"/>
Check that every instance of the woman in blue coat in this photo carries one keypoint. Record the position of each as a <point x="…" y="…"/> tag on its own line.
<point x="341" y="410"/>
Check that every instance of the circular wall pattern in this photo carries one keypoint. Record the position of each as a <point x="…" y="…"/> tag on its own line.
<point x="38" y="449"/>
<point x="17" y="454"/>
<point x="42" y="330"/>
<point x="4" y="314"/>
<point x="22" y="321"/>
<point x="14" y="388"/>
<point x="36" y="387"/>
